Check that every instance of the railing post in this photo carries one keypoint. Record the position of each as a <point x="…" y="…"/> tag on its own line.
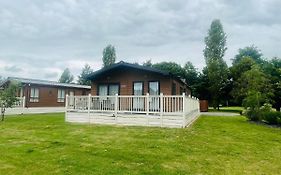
<point x="161" y="108"/>
<point x="147" y="107"/>
<point x="66" y="106"/>
<point x="23" y="104"/>
<point x="183" y="110"/>
<point x="89" y="106"/>
<point x="116" y="107"/>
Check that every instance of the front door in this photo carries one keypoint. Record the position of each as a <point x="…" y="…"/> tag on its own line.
<point x="138" y="102"/>
<point x="154" y="92"/>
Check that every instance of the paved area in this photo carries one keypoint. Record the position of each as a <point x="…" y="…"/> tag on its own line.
<point x="35" y="110"/>
<point x="220" y="114"/>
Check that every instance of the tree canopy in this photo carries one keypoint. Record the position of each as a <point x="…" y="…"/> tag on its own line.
<point x="249" y="51"/>
<point x="171" y="67"/>
<point x="109" y="55"/>
<point x="8" y="97"/>
<point x="82" y="78"/>
<point x="66" y="76"/>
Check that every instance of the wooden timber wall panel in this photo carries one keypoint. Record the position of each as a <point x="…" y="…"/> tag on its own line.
<point x="48" y="95"/>
<point x="125" y="79"/>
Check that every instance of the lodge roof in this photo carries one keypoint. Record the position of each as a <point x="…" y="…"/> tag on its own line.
<point x="45" y="82"/>
<point x="122" y="64"/>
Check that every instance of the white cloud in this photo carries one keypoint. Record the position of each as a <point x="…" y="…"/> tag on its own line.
<point x="45" y="37"/>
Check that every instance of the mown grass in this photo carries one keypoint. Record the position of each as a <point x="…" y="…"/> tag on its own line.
<point x="45" y="144"/>
<point x="235" y="109"/>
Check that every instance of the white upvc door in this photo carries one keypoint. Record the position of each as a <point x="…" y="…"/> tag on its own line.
<point x="154" y="102"/>
<point x="71" y="99"/>
<point x="138" y="102"/>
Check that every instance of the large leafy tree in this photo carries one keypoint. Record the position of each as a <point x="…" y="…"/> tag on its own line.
<point x="245" y="64"/>
<point x="249" y="51"/>
<point x="192" y="77"/>
<point x="109" y="55"/>
<point x="217" y="69"/>
<point x="66" y="76"/>
<point x="254" y="84"/>
<point x="82" y="78"/>
<point x="8" y="97"/>
<point x="171" y="67"/>
<point x="201" y="87"/>
<point x="273" y="69"/>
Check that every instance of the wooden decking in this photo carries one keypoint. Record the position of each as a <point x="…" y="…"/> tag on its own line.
<point x="161" y="111"/>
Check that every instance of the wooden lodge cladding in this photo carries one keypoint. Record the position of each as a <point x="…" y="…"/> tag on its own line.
<point x="130" y="79"/>
<point x="41" y="93"/>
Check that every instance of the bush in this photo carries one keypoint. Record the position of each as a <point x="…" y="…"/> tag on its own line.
<point x="253" y="114"/>
<point x="272" y="117"/>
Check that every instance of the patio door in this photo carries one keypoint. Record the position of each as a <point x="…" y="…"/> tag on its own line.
<point x="138" y="102"/>
<point x="154" y="91"/>
<point x="71" y="99"/>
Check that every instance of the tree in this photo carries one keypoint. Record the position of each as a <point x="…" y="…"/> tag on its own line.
<point x="147" y="63"/>
<point x="250" y="51"/>
<point x="191" y="77"/>
<point x="254" y="84"/>
<point x="109" y="55"/>
<point x="201" y="88"/>
<point x="1" y="79"/>
<point x="245" y="64"/>
<point x="82" y="78"/>
<point x="8" y="97"/>
<point x="273" y="69"/>
<point x="217" y="68"/>
<point x="171" y="67"/>
<point x="66" y="76"/>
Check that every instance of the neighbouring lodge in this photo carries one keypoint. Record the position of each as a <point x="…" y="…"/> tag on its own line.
<point x="42" y="93"/>
<point x="131" y="79"/>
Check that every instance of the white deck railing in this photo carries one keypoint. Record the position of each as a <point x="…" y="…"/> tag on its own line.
<point x="148" y="104"/>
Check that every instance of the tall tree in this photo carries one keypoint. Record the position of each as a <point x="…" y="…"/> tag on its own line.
<point x="109" y="55"/>
<point x="217" y="68"/>
<point x="82" y="78"/>
<point x="66" y="76"/>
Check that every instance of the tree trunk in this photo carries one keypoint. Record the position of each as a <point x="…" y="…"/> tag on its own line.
<point x="278" y="108"/>
<point x="2" y="114"/>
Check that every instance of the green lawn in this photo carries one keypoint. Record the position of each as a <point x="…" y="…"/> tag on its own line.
<point x="235" y="109"/>
<point x="45" y="144"/>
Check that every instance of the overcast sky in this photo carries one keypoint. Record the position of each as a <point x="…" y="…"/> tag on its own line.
<point x="38" y="39"/>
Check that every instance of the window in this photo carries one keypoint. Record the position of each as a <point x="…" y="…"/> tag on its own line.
<point x="154" y="88"/>
<point x="174" y="89"/>
<point x="34" y="95"/>
<point x="103" y="90"/>
<point x="113" y="89"/>
<point x="138" y="88"/>
<point x="61" y="95"/>
<point x="108" y="89"/>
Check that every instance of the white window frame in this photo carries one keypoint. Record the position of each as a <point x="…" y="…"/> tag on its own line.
<point x="34" y="95"/>
<point x="61" y="95"/>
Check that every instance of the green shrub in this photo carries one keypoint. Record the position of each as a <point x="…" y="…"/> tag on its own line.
<point x="272" y="117"/>
<point x="253" y="114"/>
